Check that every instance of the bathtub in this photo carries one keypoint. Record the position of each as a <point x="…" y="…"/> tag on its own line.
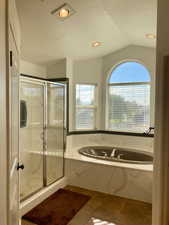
<point x="116" y="154"/>
<point x="124" y="179"/>
<point x="118" y="171"/>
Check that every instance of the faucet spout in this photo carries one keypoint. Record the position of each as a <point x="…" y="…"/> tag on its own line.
<point x="113" y="152"/>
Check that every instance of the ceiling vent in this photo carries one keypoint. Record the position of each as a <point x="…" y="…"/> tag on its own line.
<point x="63" y="12"/>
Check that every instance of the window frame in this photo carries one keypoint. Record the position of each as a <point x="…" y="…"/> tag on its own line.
<point x="95" y="106"/>
<point x="108" y="85"/>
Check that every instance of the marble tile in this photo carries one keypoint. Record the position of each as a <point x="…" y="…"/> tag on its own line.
<point x="111" y="210"/>
<point x="135" y="213"/>
<point x="75" y="142"/>
<point x="140" y="143"/>
<point x="98" y="221"/>
<point x="82" y="217"/>
<point x="24" y="222"/>
<point x="123" y="182"/>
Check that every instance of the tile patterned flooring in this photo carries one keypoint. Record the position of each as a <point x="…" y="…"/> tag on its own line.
<point x="104" y="209"/>
<point x="24" y="222"/>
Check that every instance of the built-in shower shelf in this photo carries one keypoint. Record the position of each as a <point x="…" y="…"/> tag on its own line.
<point x="56" y="154"/>
<point x="34" y="125"/>
<point x="39" y="125"/>
<point x="54" y="126"/>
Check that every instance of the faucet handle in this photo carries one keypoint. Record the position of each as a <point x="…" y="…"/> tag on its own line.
<point x="148" y="131"/>
<point x="119" y="156"/>
<point x="113" y="152"/>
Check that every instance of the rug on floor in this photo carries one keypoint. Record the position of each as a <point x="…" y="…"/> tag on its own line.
<point x="58" y="209"/>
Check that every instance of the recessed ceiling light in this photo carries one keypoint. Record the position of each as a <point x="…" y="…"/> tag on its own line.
<point x="96" y="44"/>
<point x="63" y="12"/>
<point x="151" y="36"/>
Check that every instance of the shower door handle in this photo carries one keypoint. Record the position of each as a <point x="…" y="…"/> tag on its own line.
<point x="20" y="166"/>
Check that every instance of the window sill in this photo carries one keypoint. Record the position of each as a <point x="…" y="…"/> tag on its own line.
<point x="108" y="132"/>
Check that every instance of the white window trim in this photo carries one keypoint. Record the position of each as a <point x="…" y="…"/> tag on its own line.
<point x="127" y="83"/>
<point x="95" y="106"/>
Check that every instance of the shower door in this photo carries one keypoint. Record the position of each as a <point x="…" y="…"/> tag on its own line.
<point x="55" y="132"/>
<point x="42" y="120"/>
<point x="31" y="136"/>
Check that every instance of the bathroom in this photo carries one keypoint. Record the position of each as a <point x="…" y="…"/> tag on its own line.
<point x="71" y="67"/>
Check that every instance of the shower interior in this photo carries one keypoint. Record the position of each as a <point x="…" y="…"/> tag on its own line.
<point x="42" y="134"/>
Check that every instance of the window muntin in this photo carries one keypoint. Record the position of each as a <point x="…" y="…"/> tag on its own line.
<point x="85" y="107"/>
<point x="129" y="98"/>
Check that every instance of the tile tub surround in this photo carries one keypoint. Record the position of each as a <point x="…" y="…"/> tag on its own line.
<point x="119" y="181"/>
<point x="112" y="140"/>
<point x="75" y="155"/>
<point x="75" y="142"/>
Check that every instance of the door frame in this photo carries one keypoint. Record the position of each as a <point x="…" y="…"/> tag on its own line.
<point x="161" y="144"/>
<point x="3" y="112"/>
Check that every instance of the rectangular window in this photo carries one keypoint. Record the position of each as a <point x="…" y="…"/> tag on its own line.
<point x="129" y="107"/>
<point x="85" y="107"/>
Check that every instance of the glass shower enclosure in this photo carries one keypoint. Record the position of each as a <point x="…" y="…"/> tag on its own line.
<point x="42" y="134"/>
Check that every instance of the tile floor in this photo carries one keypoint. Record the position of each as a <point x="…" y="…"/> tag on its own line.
<point x="24" y="222"/>
<point x="103" y="209"/>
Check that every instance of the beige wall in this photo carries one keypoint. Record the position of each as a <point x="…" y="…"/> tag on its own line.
<point x="32" y="69"/>
<point x="54" y="70"/>
<point x="88" y="71"/>
<point x="145" y="55"/>
<point x="15" y="23"/>
<point x="57" y="69"/>
<point x="69" y="75"/>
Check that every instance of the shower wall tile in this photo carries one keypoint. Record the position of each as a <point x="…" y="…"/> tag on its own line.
<point x="54" y="169"/>
<point x="124" y="182"/>
<point x="31" y="176"/>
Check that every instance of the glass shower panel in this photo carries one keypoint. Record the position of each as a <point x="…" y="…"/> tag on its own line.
<point x="31" y="137"/>
<point x="55" y="132"/>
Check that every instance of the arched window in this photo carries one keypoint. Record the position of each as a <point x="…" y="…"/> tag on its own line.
<point x="129" y="98"/>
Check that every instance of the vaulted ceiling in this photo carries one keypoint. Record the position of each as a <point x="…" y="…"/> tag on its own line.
<point x="114" y="23"/>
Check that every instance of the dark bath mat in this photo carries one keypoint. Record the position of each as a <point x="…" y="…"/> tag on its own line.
<point x="58" y="209"/>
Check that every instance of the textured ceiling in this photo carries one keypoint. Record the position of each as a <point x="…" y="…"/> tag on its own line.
<point x="115" y="23"/>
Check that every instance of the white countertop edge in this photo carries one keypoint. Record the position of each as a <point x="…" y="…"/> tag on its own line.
<point x="79" y="157"/>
